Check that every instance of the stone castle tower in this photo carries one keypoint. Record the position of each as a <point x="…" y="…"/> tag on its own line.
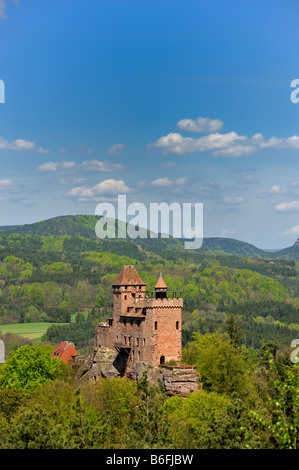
<point x="146" y="326"/>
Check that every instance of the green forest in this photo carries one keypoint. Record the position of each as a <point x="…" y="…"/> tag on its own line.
<point x="240" y="315"/>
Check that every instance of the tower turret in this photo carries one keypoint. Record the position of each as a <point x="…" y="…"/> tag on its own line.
<point x="161" y="288"/>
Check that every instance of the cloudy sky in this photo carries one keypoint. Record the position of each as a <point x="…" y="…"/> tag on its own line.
<point x="164" y="101"/>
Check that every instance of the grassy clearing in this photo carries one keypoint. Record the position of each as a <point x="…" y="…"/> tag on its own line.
<point x="32" y="331"/>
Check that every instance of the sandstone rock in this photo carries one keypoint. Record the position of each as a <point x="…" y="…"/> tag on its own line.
<point x="180" y="381"/>
<point x="101" y="363"/>
<point x="108" y="363"/>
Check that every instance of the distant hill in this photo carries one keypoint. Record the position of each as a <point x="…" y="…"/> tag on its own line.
<point x="84" y="226"/>
<point x="232" y="246"/>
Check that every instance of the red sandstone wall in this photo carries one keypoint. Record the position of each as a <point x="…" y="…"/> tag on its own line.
<point x="148" y="343"/>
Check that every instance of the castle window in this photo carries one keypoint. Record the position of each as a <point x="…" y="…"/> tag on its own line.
<point x="125" y="297"/>
<point x="110" y="321"/>
<point x="133" y="295"/>
<point x="143" y="341"/>
<point x="162" y="360"/>
<point x="156" y="325"/>
<point x="138" y="355"/>
<point x="137" y="341"/>
<point x="177" y="325"/>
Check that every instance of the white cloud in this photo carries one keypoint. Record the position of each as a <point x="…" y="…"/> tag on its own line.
<point x="292" y="231"/>
<point x="4" y="183"/>
<point x="89" y="165"/>
<point x="20" y="145"/>
<point x="287" y="142"/>
<point x="287" y="206"/>
<point x="233" y="200"/>
<point x="116" y="149"/>
<point x="106" y="188"/>
<point x="229" y="145"/>
<point x="200" y="125"/>
<point x="276" y="189"/>
<point x="96" y="165"/>
<point x="55" y="166"/>
<point x="175" y="143"/>
<point x="3" y="9"/>
<point x="161" y="182"/>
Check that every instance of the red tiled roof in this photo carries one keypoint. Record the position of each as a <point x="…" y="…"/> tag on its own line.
<point x="160" y="284"/>
<point x="128" y="276"/>
<point x="65" y="351"/>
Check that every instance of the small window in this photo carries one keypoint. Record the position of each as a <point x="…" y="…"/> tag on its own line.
<point x="177" y="325"/>
<point x="110" y="321"/>
<point x="162" y="360"/>
<point x="125" y="297"/>
<point x="156" y="325"/>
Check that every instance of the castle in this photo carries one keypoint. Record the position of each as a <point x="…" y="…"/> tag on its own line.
<point x="143" y="335"/>
<point x="145" y="326"/>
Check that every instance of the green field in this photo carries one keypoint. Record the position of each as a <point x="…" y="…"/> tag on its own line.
<point x="32" y="331"/>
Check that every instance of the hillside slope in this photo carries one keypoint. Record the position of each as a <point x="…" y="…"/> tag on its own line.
<point x="84" y="226"/>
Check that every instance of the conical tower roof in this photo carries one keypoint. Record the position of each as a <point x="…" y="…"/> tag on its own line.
<point x="128" y="276"/>
<point x="160" y="283"/>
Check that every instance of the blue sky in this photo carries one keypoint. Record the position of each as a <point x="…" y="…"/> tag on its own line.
<point x="164" y="101"/>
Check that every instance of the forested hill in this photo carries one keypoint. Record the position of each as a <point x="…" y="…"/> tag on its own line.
<point x="84" y="226"/>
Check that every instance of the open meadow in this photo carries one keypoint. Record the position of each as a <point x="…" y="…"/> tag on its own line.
<point x="33" y="331"/>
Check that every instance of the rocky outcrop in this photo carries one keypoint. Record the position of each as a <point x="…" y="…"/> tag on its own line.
<point x="101" y="363"/>
<point x="107" y="363"/>
<point x="180" y="381"/>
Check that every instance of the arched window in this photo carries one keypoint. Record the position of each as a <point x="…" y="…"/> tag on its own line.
<point x="162" y="360"/>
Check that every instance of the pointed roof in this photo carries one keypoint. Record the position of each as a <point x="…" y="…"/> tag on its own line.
<point x="128" y="276"/>
<point x="160" y="283"/>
